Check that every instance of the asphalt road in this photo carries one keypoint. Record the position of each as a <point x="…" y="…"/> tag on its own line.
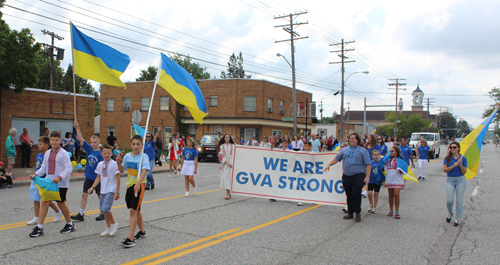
<point x="206" y="229"/>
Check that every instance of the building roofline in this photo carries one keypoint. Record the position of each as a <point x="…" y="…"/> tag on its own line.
<point x="57" y="92"/>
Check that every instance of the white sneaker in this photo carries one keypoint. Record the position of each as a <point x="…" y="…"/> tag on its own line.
<point x="113" y="228"/>
<point x="106" y="232"/>
<point x="187" y="194"/>
<point x="194" y="190"/>
<point x="364" y="193"/>
<point x="370" y="208"/>
<point x="299" y="204"/>
<point x="170" y="175"/>
<point x="34" y="221"/>
<point x="58" y="216"/>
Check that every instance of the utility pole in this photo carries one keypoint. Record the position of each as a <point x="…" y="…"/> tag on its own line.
<point x="321" y="110"/>
<point x="343" y="61"/>
<point x="293" y="37"/>
<point x="429" y="100"/>
<point x="397" y="84"/>
<point x="50" y="53"/>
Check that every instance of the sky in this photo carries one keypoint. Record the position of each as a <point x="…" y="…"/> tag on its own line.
<point x="447" y="47"/>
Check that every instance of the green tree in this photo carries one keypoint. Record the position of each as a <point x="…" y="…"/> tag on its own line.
<point x="235" y="68"/>
<point x="148" y="74"/>
<point x="447" y="123"/>
<point x="18" y="52"/>
<point x="406" y="126"/>
<point x="495" y="95"/>
<point x="43" y="62"/>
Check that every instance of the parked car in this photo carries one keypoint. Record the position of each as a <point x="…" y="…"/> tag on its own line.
<point x="207" y="147"/>
<point x="431" y="138"/>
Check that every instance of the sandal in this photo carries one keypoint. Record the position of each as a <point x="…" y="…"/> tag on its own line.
<point x="390" y="213"/>
<point x="398" y="216"/>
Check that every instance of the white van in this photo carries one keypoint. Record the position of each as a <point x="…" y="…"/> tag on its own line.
<point x="431" y="138"/>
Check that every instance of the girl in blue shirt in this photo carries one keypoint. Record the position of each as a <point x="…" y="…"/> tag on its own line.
<point x="189" y="166"/>
<point x="381" y="146"/>
<point x="455" y="166"/>
<point x="423" y="158"/>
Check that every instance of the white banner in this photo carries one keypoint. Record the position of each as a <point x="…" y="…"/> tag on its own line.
<point x="287" y="175"/>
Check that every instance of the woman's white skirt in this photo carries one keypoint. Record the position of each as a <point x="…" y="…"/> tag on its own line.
<point x="188" y="168"/>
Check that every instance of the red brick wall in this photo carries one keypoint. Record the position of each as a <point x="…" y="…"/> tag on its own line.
<point x="230" y="96"/>
<point x="37" y="104"/>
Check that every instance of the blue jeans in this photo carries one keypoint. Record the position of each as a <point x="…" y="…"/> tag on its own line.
<point x="455" y="185"/>
<point x="149" y="177"/>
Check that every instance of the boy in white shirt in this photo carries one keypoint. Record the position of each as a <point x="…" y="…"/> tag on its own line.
<point x="57" y="165"/>
<point x="109" y="177"/>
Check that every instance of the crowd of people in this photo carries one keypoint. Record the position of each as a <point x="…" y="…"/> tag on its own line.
<point x="363" y="161"/>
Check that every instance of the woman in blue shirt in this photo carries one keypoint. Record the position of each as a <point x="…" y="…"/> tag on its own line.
<point x="455" y="166"/>
<point x="381" y="146"/>
<point x="423" y="158"/>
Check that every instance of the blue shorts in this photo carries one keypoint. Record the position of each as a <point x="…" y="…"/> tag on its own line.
<point x="34" y="194"/>
<point x="107" y="201"/>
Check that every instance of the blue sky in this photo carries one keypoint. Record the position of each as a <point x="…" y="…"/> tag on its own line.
<point x="448" y="47"/>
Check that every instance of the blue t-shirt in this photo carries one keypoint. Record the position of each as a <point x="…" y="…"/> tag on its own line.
<point x="289" y="147"/>
<point x="70" y="147"/>
<point x="131" y="164"/>
<point x="406" y="153"/>
<point x="423" y="152"/>
<point x="93" y="158"/>
<point x="39" y="161"/>
<point x="315" y="145"/>
<point x="376" y="173"/>
<point x="455" y="172"/>
<point x="149" y="149"/>
<point x="381" y="149"/>
<point x="189" y="154"/>
<point x="355" y="160"/>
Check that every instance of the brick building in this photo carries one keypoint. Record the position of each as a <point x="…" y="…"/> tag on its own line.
<point x="241" y="107"/>
<point x="37" y="109"/>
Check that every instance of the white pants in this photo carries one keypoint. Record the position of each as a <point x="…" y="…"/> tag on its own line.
<point x="422" y="165"/>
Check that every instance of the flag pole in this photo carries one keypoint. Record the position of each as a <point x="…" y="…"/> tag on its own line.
<point x="147" y="120"/>
<point x="487" y="123"/>
<point x="73" y="65"/>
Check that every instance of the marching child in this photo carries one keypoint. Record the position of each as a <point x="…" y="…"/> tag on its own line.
<point x="376" y="179"/>
<point x="43" y="146"/>
<point x="189" y="166"/>
<point x="93" y="158"/>
<point x="57" y="165"/>
<point x="5" y="177"/>
<point x="109" y="176"/>
<point x="136" y="185"/>
<point x="394" y="181"/>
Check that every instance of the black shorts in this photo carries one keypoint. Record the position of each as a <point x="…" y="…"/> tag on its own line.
<point x="375" y="187"/>
<point x="62" y="193"/>
<point x="87" y="184"/>
<point x="132" y="201"/>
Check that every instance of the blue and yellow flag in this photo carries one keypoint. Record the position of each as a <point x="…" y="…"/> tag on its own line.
<point x="470" y="146"/>
<point x="47" y="189"/>
<point x="336" y="147"/>
<point x="401" y="165"/>
<point x="97" y="61"/>
<point x="182" y="86"/>
<point x="138" y="129"/>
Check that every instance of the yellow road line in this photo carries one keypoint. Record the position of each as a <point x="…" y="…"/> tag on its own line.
<point x="433" y="161"/>
<point x="96" y="211"/>
<point x="220" y="240"/>
<point x="168" y="251"/>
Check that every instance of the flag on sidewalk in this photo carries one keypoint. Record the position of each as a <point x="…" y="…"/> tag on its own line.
<point x="182" y="86"/>
<point x="97" y="61"/>
<point x="47" y="189"/>
<point x="470" y="146"/>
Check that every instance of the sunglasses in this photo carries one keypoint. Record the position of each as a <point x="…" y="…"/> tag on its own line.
<point x="453" y="147"/>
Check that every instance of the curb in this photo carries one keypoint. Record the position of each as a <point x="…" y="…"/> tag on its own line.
<point x="79" y="178"/>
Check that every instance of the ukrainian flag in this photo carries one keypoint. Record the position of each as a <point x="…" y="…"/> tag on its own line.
<point x="97" y="61"/>
<point x="182" y="86"/>
<point x="470" y="146"/>
<point x="47" y="189"/>
<point x="336" y="147"/>
<point x="401" y="165"/>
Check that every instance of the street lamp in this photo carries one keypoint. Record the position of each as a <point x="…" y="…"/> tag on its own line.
<point x="294" y="100"/>
<point x="342" y="101"/>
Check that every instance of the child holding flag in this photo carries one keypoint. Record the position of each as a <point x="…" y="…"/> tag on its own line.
<point x="43" y="146"/>
<point x="394" y="181"/>
<point x="109" y="176"/>
<point x="57" y="165"/>
<point x="136" y="185"/>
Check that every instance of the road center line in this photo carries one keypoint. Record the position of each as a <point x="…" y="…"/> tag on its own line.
<point x="220" y="240"/>
<point x="475" y="191"/>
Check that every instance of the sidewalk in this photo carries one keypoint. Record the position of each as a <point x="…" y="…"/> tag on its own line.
<point x="22" y="174"/>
